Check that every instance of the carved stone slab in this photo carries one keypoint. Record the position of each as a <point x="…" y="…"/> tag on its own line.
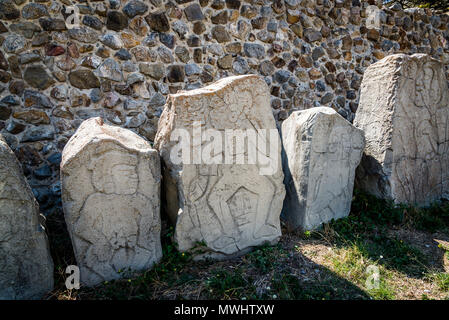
<point x="111" y="199"/>
<point x="322" y="152"/>
<point x="228" y="207"/>
<point x="404" y="111"/>
<point x="26" y="266"/>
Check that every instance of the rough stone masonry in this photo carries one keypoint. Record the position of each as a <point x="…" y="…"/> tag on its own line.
<point x="322" y="152"/>
<point x="111" y="199"/>
<point x="404" y="112"/>
<point x="125" y="57"/>
<point x="26" y="266"/>
<point x="228" y="207"/>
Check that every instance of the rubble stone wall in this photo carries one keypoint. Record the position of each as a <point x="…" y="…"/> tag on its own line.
<point x="125" y="57"/>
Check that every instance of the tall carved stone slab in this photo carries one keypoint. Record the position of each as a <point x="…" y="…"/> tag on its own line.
<point x="111" y="199"/>
<point x="322" y="152"/>
<point x="230" y="207"/>
<point x="404" y="111"/>
<point x="26" y="266"/>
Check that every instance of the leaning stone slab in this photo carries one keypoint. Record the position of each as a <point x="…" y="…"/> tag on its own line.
<point x="404" y="111"/>
<point x="26" y="266"/>
<point x="110" y="191"/>
<point x="227" y="206"/>
<point x="322" y="152"/>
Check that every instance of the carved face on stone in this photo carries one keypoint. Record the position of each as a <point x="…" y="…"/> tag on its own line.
<point x="115" y="172"/>
<point x="125" y="178"/>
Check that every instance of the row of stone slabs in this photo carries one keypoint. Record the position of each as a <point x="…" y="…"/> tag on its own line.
<point x="111" y="177"/>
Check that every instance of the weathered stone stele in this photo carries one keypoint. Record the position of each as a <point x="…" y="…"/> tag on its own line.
<point x="322" y="152"/>
<point x="26" y="266"/>
<point x="111" y="199"/>
<point x="404" y="112"/>
<point x="229" y="207"/>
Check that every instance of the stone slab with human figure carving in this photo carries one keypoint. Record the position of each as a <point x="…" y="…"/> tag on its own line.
<point x="26" y="266"/>
<point x="404" y="112"/>
<point x="111" y="199"/>
<point x="217" y="203"/>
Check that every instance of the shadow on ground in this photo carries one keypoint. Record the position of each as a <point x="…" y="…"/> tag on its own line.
<point x="409" y="246"/>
